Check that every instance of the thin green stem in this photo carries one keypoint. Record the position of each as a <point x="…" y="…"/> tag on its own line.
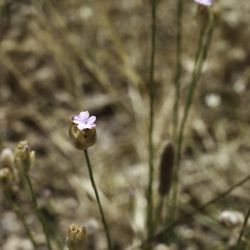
<point x="203" y="47"/>
<point x="38" y="211"/>
<point x="104" y="222"/>
<point x="151" y="121"/>
<point x="178" y="68"/>
<point x="243" y="229"/>
<point x="16" y="207"/>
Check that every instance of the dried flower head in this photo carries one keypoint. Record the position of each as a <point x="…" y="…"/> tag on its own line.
<point x="24" y="157"/>
<point x="166" y="169"/>
<point x="82" y="130"/>
<point x="204" y="2"/>
<point x="76" y="237"/>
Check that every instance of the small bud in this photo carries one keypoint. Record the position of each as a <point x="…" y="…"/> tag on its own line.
<point x="5" y="177"/>
<point x="7" y="159"/>
<point x="82" y="130"/>
<point x="24" y="157"/>
<point x="76" y="237"/>
<point x="166" y="169"/>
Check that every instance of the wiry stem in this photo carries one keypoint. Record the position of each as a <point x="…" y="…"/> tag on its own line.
<point x="203" y="47"/>
<point x="151" y="121"/>
<point x="178" y="68"/>
<point x="104" y="222"/>
<point x="243" y="228"/>
<point x="16" y="207"/>
<point x="170" y="227"/>
<point x="38" y="211"/>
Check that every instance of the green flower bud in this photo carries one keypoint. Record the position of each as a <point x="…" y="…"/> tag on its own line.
<point x="5" y="177"/>
<point x="24" y="157"/>
<point x="7" y="159"/>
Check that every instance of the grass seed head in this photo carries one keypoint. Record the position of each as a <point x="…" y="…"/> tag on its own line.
<point x="166" y="169"/>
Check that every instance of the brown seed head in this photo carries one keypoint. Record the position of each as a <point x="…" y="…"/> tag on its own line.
<point x="166" y="169"/>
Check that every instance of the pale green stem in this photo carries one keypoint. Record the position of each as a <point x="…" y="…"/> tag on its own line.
<point x="104" y="222"/>
<point x="203" y="47"/>
<point x="16" y="207"/>
<point x="38" y="211"/>
<point x="151" y="122"/>
<point x="178" y="68"/>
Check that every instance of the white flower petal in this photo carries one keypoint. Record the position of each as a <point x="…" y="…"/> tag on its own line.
<point x="81" y="126"/>
<point x="91" y="119"/>
<point x="84" y="115"/>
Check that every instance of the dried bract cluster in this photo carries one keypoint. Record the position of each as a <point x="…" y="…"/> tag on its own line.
<point x="76" y="237"/>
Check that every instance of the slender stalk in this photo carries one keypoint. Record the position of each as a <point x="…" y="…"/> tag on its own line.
<point x="243" y="228"/>
<point x="182" y="218"/>
<point x="178" y="68"/>
<point x="177" y="93"/>
<point x="203" y="47"/>
<point x="16" y="207"/>
<point x="104" y="222"/>
<point x="151" y="121"/>
<point x="38" y="211"/>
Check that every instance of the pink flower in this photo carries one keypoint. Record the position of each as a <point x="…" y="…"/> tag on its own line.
<point x="204" y="2"/>
<point x="83" y="120"/>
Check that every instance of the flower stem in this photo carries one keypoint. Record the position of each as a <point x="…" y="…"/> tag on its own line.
<point x="151" y="121"/>
<point x="104" y="222"/>
<point x="38" y="211"/>
<point x="178" y="68"/>
<point x="203" y="47"/>
<point x="16" y="207"/>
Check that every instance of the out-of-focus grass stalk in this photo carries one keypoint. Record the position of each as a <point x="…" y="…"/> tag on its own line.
<point x="16" y="207"/>
<point x="178" y="68"/>
<point x="242" y="229"/>
<point x="203" y="47"/>
<point x="104" y="222"/>
<point x="151" y="121"/>
<point x="38" y="211"/>
<point x="183" y="217"/>
<point x="177" y="83"/>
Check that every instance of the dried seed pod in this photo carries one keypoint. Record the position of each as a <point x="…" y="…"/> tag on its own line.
<point x="166" y="169"/>
<point x="76" y="237"/>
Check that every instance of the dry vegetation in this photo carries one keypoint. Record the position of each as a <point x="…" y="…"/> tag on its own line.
<point x="61" y="57"/>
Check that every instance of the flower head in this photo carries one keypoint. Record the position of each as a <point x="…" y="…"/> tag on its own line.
<point x="82" y="130"/>
<point x="84" y="121"/>
<point x="204" y="2"/>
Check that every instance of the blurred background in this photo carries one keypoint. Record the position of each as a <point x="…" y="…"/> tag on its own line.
<point x="61" y="57"/>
